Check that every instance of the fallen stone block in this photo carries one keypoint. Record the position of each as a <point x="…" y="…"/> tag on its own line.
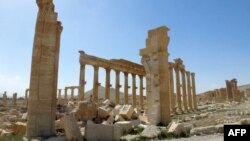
<point x="100" y="132"/>
<point x="151" y="131"/>
<point x="126" y="111"/>
<point x="71" y="128"/>
<point x="18" y="128"/>
<point x="203" y="130"/>
<point x="125" y="126"/>
<point x="104" y="112"/>
<point x="176" y="128"/>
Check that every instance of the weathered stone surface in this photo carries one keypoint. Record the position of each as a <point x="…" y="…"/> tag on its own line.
<point x="19" y="128"/>
<point x="58" y="138"/>
<point x="44" y="72"/>
<point x="119" y="118"/>
<point x="155" y="62"/>
<point x="245" y="121"/>
<point x="104" y="112"/>
<point x="85" y="111"/>
<point x="116" y="110"/>
<point x="176" y="128"/>
<point x="125" y="126"/>
<point x="4" y="133"/>
<point x="126" y="111"/>
<point x="71" y="129"/>
<point x="204" y="130"/>
<point x="100" y="132"/>
<point x="151" y="131"/>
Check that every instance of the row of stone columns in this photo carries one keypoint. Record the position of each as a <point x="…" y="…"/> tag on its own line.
<point x="187" y="100"/>
<point x="232" y="90"/>
<point x="96" y="84"/>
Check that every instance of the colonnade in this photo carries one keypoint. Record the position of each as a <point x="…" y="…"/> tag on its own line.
<point x="185" y="99"/>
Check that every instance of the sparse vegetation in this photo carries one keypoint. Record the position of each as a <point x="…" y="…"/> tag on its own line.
<point x="13" y="138"/>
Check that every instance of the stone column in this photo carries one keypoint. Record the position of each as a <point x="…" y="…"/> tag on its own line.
<point x="190" y="101"/>
<point x="66" y="95"/>
<point x="126" y="87"/>
<point x="171" y="89"/>
<point x="184" y="91"/>
<point x="194" y="91"/>
<point x="107" y="84"/>
<point x="117" y="87"/>
<point x="5" y="99"/>
<point x="141" y="92"/>
<point x="59" y="96"/>
<point x="155" y="62"/>
<point x="14" y="98"/>
<point x="82" y="83"/>
<point x="95" y="85"/>
<point x="178" y="90"/>
<point x="26" y="98"/>
<point x="229" y="91"/>
<point x="72" y="93"/>
<point x="44" y="72"/>
<point x="134" y="90"/>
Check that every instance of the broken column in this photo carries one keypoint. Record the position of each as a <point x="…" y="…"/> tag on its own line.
<point x="229" y="91"/>
<point x="72" y="93"/>
<point x="5" y="99"/>
<point x="155" y="62"/>
<point x="14" y="98"/>
<point x="59" y="96"/>
<point x="26" y="98"/>
<point x="65" y="95"/>
<point x="44" y="72"/>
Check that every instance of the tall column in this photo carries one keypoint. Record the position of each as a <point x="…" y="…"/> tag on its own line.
<point x="95" y="85"/>
<point x="5" y="99"/>
<point x="134" y="90"/>
<point x="59" y="96"/>
<point x="184" y="91"/>
<point x="117" y="87"/>
<point x="107" y="84"/>
<point x="72" y="93"/>
<point x="126" y="87"/>
<point x="178" y="90"/>
<point x="171" y="88"/>
<point x="194" y="91"/>
<point x="82" y="83"/>
<point x="190" y="105"/>
<point x="14" y="98"/>
<point x="229" y="91"/>
<point x="26" y="98"/>
<point x="65" y="95"/>
<point x="44" y="72"/>
<point x="141" y="92"/>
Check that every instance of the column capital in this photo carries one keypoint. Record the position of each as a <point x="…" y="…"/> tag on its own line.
<point x="133" y="75"/>
<point x="193" y="74"/>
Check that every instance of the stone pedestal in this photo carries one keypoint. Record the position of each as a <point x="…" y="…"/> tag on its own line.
<point x="44" y="72"/>
<point x="155" y="62"/>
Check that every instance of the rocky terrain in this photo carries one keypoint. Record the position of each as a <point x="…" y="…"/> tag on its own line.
<point x="84" y="120"/>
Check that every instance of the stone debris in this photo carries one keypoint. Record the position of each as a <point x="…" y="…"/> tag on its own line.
<point x="71" y="128"/>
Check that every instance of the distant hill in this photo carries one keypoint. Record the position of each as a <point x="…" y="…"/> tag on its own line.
<point x="244" y="87"/>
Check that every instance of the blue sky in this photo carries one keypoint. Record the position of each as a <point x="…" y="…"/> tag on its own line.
<point x="211" y="36"/>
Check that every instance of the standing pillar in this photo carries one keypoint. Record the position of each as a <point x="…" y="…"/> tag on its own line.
<point x="95" y="84"/>
<point x="82" y="83"/>
<point x="229" y="91"/>
<point x="178" y="90"/>
<point x="194" y="91"/>
<point x="14" y="98"/>
<point x="5" y="99"/>
<point x="117" y="87"/>
<point x="171" y="88"/>
<point x="141" y="92"/>
<point x="184" y="91"/>
<point x="107" y="84"/>
<point x="26" y="98"/>
<point x="44" y="72"/>
<point x="134" y="90"/>
<point x="190" y="105"/>
<point x="59" y="96"/>
<point x="126" y="87"/>
<point x="72" y="93"/>
<point x="66" y="95"/>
